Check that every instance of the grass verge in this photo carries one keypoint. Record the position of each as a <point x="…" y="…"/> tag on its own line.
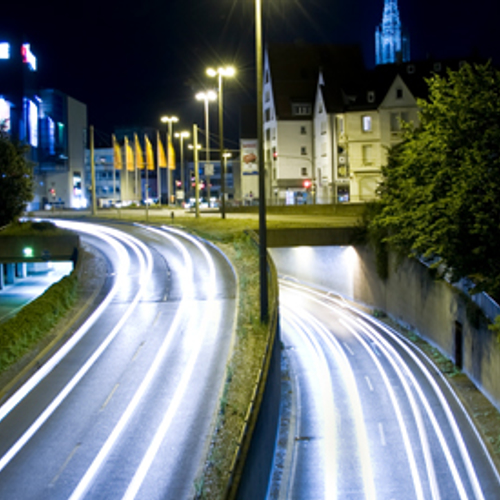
<point x="21" y="334"/>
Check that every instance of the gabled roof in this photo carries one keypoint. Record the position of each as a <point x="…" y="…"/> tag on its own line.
<point x="295" y="69"/>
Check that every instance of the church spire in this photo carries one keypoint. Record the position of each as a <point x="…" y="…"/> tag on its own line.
<point x="391" y="42"/>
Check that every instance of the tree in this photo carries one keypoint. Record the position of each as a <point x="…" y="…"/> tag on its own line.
<point x="440" y="197"/>
<point x="16" y="180"/>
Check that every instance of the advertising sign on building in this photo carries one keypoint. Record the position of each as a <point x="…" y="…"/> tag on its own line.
<point x="249" y="156"/>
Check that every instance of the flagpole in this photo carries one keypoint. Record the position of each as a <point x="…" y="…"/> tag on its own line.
<point x="158" y="170"/>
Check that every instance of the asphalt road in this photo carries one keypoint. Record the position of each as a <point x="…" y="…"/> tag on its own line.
<point x="373" y="419"/>
<point x="125" y="407"/>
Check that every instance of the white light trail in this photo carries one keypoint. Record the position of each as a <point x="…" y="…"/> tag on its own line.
<point x="161" y="431"/>
<point x="352" y="390"/>
<point x="49" y="410"/>
<point x="330" y="420"/>
<point x="187" y="294"/>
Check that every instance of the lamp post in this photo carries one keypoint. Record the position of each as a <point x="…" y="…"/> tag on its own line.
<point x="228" y="71"/>
<point x="181" y="136"/>
<point x="169" y="120"/>
<point x="206" y="97"/>
<point x="192" y="148"/>
<point x="264" y="299"/>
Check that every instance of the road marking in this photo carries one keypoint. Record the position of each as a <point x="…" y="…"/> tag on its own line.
<point x="137" y="352"/>
<point x="108" y="399"/>
<point x="348" y="348"/>
<point x="64" y="465"/>
<point x="369" y="383"/>
<point x="155" y="320"/>
<point x="381" y="431"/>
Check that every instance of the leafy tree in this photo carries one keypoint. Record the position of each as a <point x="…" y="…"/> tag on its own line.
<point x="440" y="198"/>
<point x="16" y="181"/>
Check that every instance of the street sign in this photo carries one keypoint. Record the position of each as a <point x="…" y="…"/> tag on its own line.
<point x="209" y="169"/>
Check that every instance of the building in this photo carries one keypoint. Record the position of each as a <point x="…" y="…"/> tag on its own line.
<point x="51" y="123"/>
<point x="60" y="170"/>
<point x="289" y="90"/>
<point x="392" y="42"/>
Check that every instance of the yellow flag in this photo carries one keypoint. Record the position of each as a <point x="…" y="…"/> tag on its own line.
<point x="150" y="157"/>
<point x="139" y="158"/>
<point x="117" y="154"/>
<point x="160" y="153"/>
<point x="171" y="154"/>
<point x="129" y="156"/>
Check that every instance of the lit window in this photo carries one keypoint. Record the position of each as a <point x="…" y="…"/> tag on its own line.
<point x="301" y="109"/>
<point x="4" y="50"/>
<point x="5" y="114"/>
<point x="367" y="123"/>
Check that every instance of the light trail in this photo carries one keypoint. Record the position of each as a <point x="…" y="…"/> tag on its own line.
<point x="146" y="267"/>
<point x="327" y="400"/>
<point x="396" y="361"/>
<point x="161" y="431"/>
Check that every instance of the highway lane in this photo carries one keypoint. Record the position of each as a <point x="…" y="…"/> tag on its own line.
<point x="374" y="419"/>
<point x="127" y="409"/>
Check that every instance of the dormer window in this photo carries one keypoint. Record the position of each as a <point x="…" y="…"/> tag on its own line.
<point x="301" y="109"/>
<point x="437" y="67"/>
<point x="399" y="93"/>
<point x="410" y="69"/>
<point x="370" y="96"/>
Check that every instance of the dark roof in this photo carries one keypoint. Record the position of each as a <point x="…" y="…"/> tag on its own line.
<point x="295" y="69"/>
<point x="351" y="94"/>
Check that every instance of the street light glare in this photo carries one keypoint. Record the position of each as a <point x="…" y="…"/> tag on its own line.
<point x="166" y="119"/>
<point x="210" y="95"/>
<point x="182" y="134"/>
<point x="211" y="72"/>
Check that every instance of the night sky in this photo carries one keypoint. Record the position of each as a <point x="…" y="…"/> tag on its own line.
<point x="132" y="61"/>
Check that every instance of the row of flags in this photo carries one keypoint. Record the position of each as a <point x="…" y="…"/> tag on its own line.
<point x="135" y="159"/>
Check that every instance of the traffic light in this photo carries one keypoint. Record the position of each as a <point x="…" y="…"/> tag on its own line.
<point x="307" y="183"/>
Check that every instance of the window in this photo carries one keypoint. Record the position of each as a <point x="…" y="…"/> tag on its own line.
<point x="267" y="77"/>
<point x="301" y="109"/>
<point x="366" y="123"/>
<point x="320" y="109"/>
<point x="367" y="154"/>
<point x="370" y="97"/>
<point x="437" y="66"/>
<point x="303" y="130"/>
<point x="268" y="96"/>
<point x="268" y="134"/>
<point x="323" y="149"/>
<point x="340" y="125"/>
<point x="323" y="128"/>
<point x="303" y="150"/>
<point x="303" y="171"/>
<point x="397" y="118"/>
<point x="268" y="115"/>
<point x="399" y="93"/>
<point x="410" y="69"/>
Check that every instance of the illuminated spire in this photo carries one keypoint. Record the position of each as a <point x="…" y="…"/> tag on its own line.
<point x="391" y="42"/>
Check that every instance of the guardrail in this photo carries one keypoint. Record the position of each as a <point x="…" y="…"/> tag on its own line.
<point x="252" y="461"/>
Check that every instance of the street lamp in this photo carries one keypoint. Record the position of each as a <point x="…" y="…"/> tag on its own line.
<point x="192" y="148"/>
<point x="210" y="95"/>
<point x="228" y="71"/>
<point x="264" y="296"/>
<point x="170" y="120"/>
<point x="181" y="136"/>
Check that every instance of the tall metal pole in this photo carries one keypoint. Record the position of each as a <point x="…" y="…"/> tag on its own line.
<point x="92" y="171"/>
<point x="183" y="187"/>
<point x="207" y="148"/>
<point x="196" y="172"/>
<point x="221" y="152"/>
<point x="169" y="172"/>
<point x="264" y="298"/>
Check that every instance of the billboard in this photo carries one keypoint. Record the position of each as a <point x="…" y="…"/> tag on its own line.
<point x="249" y="157"/>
